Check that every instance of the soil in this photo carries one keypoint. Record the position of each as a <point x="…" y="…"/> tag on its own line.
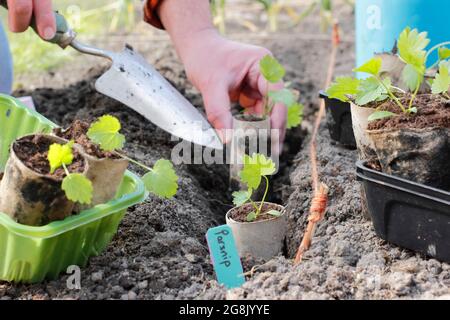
<point x="240" y="214"/>
<point x="77" y="131"/>
<point x="33" y="152"/>
<point x="160" y="250"/>
<point x="433" y="111"/>
<point x="248" y="117"/>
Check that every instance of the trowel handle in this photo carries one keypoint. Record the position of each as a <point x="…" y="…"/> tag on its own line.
<point x="64" y="34"/>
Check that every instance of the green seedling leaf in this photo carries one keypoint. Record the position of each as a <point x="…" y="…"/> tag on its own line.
<point x="266" y="3"/>
<point x="105" y="133"/>
<point x="372" y="90"/>
<point x="295" y="115"/>
<point x="342" y="88"/>
<point x="444" y="53"/>
<point x="274" y="213"/>
<point x="271" y="69"/>
<point x="412" y="110"/>
<point x="411" y="47"/>
<point x="252" y="216"/>
<point x="284" y="96"/>
<point x="162" y="180"/>
<point x="78" y="188"/>
<point x="241" y="197"/>
<point x="373" y="66"/>
<point x="378" y="115"/>
<point x="412" y="77"/>
<point x="60" y="154"/>
<point x="255" y="167"/>
<point x="441" y="83"/>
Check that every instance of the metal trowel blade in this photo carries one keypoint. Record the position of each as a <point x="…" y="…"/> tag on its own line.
<point x="137" y="84"/>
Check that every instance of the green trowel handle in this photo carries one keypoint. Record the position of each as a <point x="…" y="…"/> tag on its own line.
<point x="64" y="34"/>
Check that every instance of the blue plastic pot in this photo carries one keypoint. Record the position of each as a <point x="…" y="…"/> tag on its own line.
<point x="379" y="22"/>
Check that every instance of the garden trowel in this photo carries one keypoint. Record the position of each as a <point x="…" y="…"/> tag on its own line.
<point x="137" y="84"/>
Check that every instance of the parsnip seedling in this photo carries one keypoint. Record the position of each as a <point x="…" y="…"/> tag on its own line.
<point x="160" y="180"/>
<point x="77" y="187"/>
<point x="256" y="168"/>
<point x="274" y="72"/>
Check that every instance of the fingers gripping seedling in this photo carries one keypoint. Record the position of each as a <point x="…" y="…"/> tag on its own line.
<point x="77" y="187"/>
<point x="256" y="168"/>
<point x="378" y="87"/>
<point x="160" y="180"/>
<point x="274" y="72"/>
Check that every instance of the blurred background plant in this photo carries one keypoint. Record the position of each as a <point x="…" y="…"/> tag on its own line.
<point x="100" y="19"/>
<point x="92" y="18"/>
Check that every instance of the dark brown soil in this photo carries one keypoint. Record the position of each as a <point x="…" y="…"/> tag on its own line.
<point x="433" y="111"/>
<point x="240" y="214"/>
<point x="33" y="152"/>
<point x="78" y="132"/>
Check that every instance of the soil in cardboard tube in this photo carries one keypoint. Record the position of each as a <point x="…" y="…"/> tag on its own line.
<point x="77" y="131"/>
<point x="33" y="152"/>
<point x="240" y="214"/>
<point x="432" y="111"/>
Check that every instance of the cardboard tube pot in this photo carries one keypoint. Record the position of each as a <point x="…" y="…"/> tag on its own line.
<point x="360" y="122"/>
<point x="365" y="147"/>
<point x="32" y="198"/>
<point x="106" y="175"/>
<point x="261" y="239"/>
<point x="419" y="155"/>
<point x="250" y="135"/>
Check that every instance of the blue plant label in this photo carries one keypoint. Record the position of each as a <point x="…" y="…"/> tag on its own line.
<point x="225" y="257"/>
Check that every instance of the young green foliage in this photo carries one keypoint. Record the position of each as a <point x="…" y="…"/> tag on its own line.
<point x="411" y="48"/>
<point x="378" y="115"/>
<point x="441" y="83"/>
<point x="274" y="72"/>
<point x="256" y="168"/>
<point x="271" y="69"/>
<point x="372" y="67"/>
<point x="343" y="88"/>
<point x="371" y="90"/>
<point x="443" y="53"/>
<point x="284" y="96"/>
<point x="294" y="116"/>
<point x="77" y="187"/>
<point x="160" y="180"/>
<point x="378" y="87"/>
<point x="105" y="133"/>
<point x="59" y="155"/>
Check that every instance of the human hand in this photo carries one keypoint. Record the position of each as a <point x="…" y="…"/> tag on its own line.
<point x="225" y="71"/>
<point x="21" y="12"/>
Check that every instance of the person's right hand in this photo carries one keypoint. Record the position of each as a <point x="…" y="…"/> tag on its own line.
<point x="20" y="14"/>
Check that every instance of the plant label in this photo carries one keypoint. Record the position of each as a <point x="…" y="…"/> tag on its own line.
<point x="225" y="257"/>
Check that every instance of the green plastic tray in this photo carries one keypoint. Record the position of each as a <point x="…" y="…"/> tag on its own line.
<point x="32" y="254"/>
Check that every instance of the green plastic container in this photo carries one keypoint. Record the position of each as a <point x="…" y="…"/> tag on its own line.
<point x="32" y="254"/>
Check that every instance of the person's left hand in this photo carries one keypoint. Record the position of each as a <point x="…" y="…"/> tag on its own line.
<point x="225" y="71"/>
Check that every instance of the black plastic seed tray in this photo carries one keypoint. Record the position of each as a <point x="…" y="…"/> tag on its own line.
<point x="408" y="214"/>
